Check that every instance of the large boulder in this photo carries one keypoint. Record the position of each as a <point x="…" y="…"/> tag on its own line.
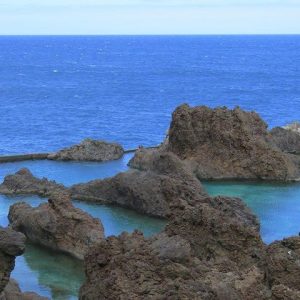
<point x="90" y="150"/>
<point x="227" y="144"/>
<point x="23" y="182"/>
<point x="12" y="244"/>
<point x="286" y="140"/>
<point x="153" y="191"/>
<point x="57" y="225"/>
<point x="209" y="251"/>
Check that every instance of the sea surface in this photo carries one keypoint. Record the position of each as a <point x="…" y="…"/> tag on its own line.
<point x="55" y="91"/>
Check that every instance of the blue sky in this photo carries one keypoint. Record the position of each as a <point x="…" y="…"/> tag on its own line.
<point x="149" y="16"/>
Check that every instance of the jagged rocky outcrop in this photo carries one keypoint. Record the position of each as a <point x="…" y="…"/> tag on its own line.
<point x="90" y="150"/>
<point x="57" y="225"/>
<point x="286" y="140"/>
<point x="153" y="191"/>
<point x="12" y="244"/>
<point x="227" y="144"/>
<point x="212" y="250"/>
<point x="12" y="291"/>
<point x="23" y="182"/>
<point x="295" y="127"/>
<point x="209" y="251"/>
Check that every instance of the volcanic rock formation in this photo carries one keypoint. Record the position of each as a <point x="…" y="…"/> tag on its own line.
<point x="164" y="183"/>
<point x="23" y="182"/>
<point x="57" y="225"/>
<point x="12" y="244"/>
<point x="90" y="150"/>
<point x="286" y="140"/>
<point x="227" y="144"/>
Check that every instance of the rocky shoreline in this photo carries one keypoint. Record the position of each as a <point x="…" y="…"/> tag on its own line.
<point x="211" y="247"/>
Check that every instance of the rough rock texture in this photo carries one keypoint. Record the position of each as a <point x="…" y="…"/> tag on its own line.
<point x="23" y="182"/>
<point x="209" y="251"/>
<point x="227" y="144"/>
<point x="57" y="225"/>
<point x="284" y="268"/>
<point x="165" y="182"/>
<point x="12" y="244"/>
<point x="286" y="140"/>
<point x="295" y="127"/>
<point x="12" y="291"/>
<point x="90" y="150"/>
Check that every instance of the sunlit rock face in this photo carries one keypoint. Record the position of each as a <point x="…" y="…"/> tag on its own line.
<point x="12" y="244"/>
<point x="57" y="225"/>
<point x="228" y="144"/>
<point x="90" y="150"/>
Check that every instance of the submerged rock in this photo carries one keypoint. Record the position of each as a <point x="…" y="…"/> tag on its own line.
<point x="227" y="144"/>
<point x="57" y="225"/>
<point x="13" y="292"/>
<point x="12" y="244"/>
<point x="23" y="182"/>
<point x="208" y="251"/>
<point x="153" y="191"/>
<point x="286" y="140"/>
<point x="90" y="150"/>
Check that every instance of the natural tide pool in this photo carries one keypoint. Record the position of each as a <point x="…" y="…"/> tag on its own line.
<point x="59" y="276"/>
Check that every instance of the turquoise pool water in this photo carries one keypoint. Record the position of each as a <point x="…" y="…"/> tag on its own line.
<point x="59" y="276"/>
<point x="276" y="205"/>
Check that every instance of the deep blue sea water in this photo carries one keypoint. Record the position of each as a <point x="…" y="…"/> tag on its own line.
<point x="55" y="91"/>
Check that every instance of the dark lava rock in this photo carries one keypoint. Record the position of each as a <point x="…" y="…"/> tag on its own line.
<point x="57" y="225"/>
<point x="90" y="150"/>
<point x="23" y="182"/>
<point x="152" y="191"/>
<point x="209" y="251"/>
<point x="12" y="244"/>
<point x="286" y="140"/>
<point x="228" y="144"/>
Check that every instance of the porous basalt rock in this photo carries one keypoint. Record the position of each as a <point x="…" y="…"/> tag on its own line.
<point x="152" y="191"/>
<point x="90" y="150"/>
<point x="228" y="144"/>
<point x="57" y="225"/>
<point x="209" y="251"/>
<point x="12" y="291"/>
<point x="23" y="182"/>
<point x="286" y="140"/>
<point x="12" y="244"/>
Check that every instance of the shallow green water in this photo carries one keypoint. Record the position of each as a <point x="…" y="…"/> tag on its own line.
<point x="276" y="205"/>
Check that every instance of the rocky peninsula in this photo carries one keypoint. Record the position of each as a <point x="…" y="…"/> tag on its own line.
<point x="89" y="150"/>
<point x="57" y="225"/>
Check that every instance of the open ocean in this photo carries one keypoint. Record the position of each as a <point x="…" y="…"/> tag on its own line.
<point x="55" y="91"/>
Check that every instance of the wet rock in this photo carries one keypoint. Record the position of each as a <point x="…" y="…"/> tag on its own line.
<point x="90" y="150"/>
<point x="286" y="140"/>
<point x="227" y="144"/>
<point x="13" y="292"/>
<point x="153" y="191"/>
<point x="57" y="225"/>
<point x="12" y="244"/>
<point x="23" y="182"/>
<point x="209" y="251"/>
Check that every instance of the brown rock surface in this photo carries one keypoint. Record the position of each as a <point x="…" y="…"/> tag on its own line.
<point x="90" y="150"/>
<point x="209" y="251"/>
<point x="227" y="144"/>
<point x="286" y="140"/>
<point x="153" y="191"/>
<point x="57" y="225"/>
<point x="12" y="244"/>
<point x="23" y="182"/>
